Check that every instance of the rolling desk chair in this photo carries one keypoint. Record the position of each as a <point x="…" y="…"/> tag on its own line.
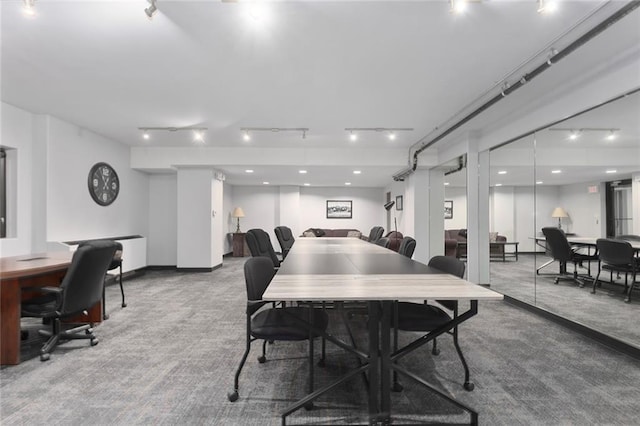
<point x="617" y="256"/>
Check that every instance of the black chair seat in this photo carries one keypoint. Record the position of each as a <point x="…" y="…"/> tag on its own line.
<point x="420" y="317"/>
<point x="40" y="307"/>
<point x="284" y="323"/>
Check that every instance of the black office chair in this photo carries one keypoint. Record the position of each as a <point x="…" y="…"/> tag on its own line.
<point x="80" y="290"/>
<point x="285" y="238"/>
<point x="116" y="263"/>
<point x="375" y="234"/>
<point x="562" y="251"/>
<point x="260" y="245"/>
<point x="617" y="256"/>
<point x="426" y="318"/>
<point x="407" y="247"/>
<point x="288" y="323"/>
<point x="383" y="242"/>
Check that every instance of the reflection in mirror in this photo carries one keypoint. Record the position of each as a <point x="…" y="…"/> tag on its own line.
<point x="455" y="207"/>
<point x="512" y="220"/>
<point x="590" y="165"/>
<point x="581" y="175"/>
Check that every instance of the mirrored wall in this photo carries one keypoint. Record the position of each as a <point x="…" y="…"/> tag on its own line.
<point x="581" y="175"/>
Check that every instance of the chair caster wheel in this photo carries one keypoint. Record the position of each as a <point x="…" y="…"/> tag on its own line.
<point x="321" y="363"/>
<point x="593" y="292"/>
<point x="105" y="317"/>
<point x="45" y="357"/>
<point x="469" y="386"/>
<point x="94" y="342"/>
<point x="24" y="334"/>
<point x="308" y="406"/>
<point x="397" y="387"/>
<point x="435" y="352"/>
<point x="262" y="359"/>
<point x="627" y="300"/>
<point x="232" y="396"/>
<point x="556" y="281"/>
<point x="124" y="305"/>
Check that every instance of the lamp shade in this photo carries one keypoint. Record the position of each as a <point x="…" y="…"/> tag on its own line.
<point x="237" y="212"/>
<point x="559" y="212"/>
<point x="389" y="204"/>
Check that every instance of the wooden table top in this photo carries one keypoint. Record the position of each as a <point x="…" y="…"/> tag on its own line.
<point x="34" y="264"/>
<point x="352" y="269"/>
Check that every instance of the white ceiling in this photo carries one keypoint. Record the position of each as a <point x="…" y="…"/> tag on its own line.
<point x="318" y="64"/>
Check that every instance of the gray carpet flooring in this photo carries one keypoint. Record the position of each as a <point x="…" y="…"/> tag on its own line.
<point x="604" y="311"/>
<point x="169" y="359"/>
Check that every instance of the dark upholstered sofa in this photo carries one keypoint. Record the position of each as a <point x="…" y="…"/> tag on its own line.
<point x="453" y="238"/>
<point x="322" y="232"/>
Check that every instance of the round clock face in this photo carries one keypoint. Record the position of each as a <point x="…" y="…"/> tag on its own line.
<point x="103" y="184"/>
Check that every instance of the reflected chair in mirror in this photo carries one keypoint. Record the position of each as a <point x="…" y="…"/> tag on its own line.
<point x="383" y="242"/>
<point x="395" y="238"/>
<point x="275" y="324"/>
<point x="407" y="247"/>
<point x="563" y="252"/>
<point x="423" y="317"/>
<point x="285" y="238"/>
<point x="80" y="290"/>
<point x="617" y="256"/>
<point x="260" y="245"/>
<point x="375" y="234"/>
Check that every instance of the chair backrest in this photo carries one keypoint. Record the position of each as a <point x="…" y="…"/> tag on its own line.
<point x="82" y="284"/>
<point x="407" y="247"/>
<point x="376" y="233"/>
<point x="384" y="242"/>
<point x="628" y="237"/>
<point x="260" y="245"/>
<point x="615" y="252"/>
<point x="557" y="243"/>
<point x="285" y="237"/>
<point x="448" y="264"/>
<point x="258" y="273"/>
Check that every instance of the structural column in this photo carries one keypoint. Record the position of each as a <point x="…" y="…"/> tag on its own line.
<point x="477" y="215"/>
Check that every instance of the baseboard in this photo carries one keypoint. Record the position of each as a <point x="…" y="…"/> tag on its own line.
<point x="602" y="338"/>
<point x="113" y="278"/>
<point x="213" y="268"/>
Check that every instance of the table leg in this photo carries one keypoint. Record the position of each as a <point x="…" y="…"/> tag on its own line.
<point x="385" y="364"/>
<point x="374" y="360"/>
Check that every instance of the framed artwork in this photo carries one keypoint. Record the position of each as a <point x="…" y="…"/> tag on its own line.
<point x="399" y="205"/>
<point x="448" y="209"/>
<point x="339" y="209"/>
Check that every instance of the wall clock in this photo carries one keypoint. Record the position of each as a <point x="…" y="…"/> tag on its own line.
<point x="103" y="184"/>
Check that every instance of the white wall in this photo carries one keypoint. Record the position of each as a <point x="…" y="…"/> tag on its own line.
<point x="459" y="197"/>
<point x="259" y="204"/>
<point x="71" y="212"/>
<point x="53" y="201"/>
<point x="229" y="223"/>
<point x="163" y="220"/>
<point x="584" y="209"/>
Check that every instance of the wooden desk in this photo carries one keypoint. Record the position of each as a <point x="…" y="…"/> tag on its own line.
<point x="36" y="270"/>
<point x="349" y="269"/>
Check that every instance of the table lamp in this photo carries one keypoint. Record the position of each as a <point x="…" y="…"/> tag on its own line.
<point x="559" y="212"/>
<point x="237" y="213"/>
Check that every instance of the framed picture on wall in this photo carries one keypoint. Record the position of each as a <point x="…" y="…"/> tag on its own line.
<point x="448" y="209"/>
<point x="339" y="209"/>
<point x="399" y="205"/>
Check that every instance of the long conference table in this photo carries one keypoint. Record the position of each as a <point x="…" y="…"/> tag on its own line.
<point x="350" y="269"/>
<point x="34" y="270"/>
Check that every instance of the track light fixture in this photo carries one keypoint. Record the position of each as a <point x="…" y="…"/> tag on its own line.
<point x="391" y="131"/>
<point x="246" y="130"/>
<point x="198" y="132"/>
<point x="547" y="6"/>
<point x="149" y="11"/>
<point x="576" y="133"/>
<point x="29" y="7"/>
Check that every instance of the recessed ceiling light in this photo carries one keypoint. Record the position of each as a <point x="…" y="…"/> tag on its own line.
<point x="458" y="6"/>
<point x="265" y="183"/>
<point x="555" y="172"/>
<point x="498" y="184"/>
<point x="446" y="183"/>
<point x="539" y="182"/>
<point x="502" y="172"/>
<point x="612" y="135"/>
<point x="347" y="183"/>
<point x="357" y="172"/>
<point x="307" y="184"/>
<point x="612" y="171"/>
<point x="574" y="135"/>
<point x="302" y="172"/>
<point x="248" y="171"/>
<point x="29" y="7"/>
